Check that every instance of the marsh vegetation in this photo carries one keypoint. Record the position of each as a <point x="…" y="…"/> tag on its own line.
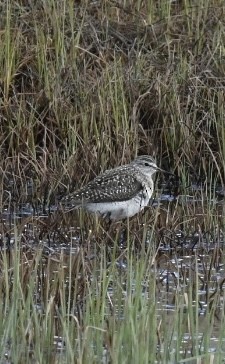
<point x="86" y="86"/>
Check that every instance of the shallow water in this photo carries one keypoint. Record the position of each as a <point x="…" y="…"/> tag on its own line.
<point x="187" y="256"/>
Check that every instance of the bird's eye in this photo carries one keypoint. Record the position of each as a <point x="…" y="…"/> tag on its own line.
<point x="146" y="164"/>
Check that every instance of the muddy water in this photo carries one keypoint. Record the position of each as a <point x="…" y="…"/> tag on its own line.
<point x="189" y="255"/>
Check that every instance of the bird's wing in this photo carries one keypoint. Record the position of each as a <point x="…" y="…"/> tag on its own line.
<point x="113" y="185"/>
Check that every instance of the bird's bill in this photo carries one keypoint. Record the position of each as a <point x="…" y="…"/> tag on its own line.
<point x="164" y="171"/>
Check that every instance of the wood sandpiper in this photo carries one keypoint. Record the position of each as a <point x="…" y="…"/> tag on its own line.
<point x="117" y="193"/>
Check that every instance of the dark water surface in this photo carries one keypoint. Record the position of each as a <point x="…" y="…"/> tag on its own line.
<point x="188" y="255"/>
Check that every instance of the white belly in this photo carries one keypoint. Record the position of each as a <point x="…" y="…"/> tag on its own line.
<point x="119" y="210"/>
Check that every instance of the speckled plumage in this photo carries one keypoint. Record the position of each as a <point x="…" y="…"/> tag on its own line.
<point x="117" y="193"/>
